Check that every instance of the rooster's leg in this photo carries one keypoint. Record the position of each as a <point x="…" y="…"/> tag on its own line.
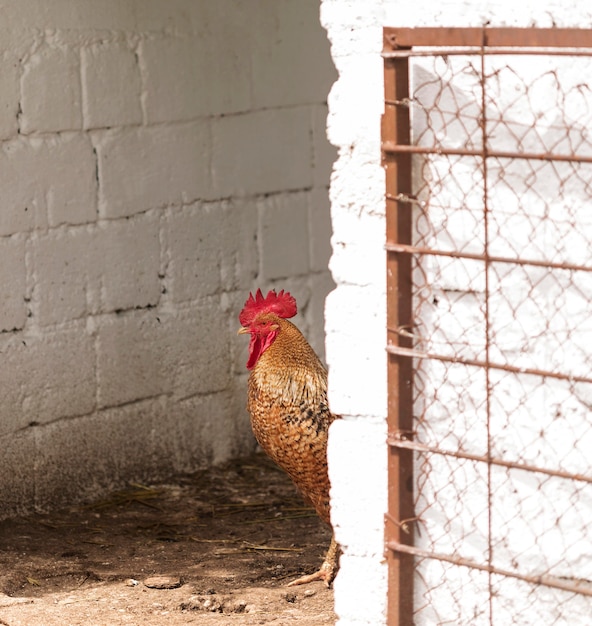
<point x="328" y="569"/>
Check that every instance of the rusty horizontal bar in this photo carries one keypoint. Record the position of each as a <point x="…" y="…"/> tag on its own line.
<point x="399" y="442"/>
<point x="503" y="37"/>
<point x="472" y="51"/>
<point x="389" y="147"/>
<point x="584" y="588"/>
<point x="455" y="254"/>
<point x="416" y="354"/>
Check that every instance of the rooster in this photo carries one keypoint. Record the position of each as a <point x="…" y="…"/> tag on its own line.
<point x="287" y="400"/>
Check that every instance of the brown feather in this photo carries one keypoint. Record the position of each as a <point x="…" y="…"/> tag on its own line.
<point x="289" y="412"/>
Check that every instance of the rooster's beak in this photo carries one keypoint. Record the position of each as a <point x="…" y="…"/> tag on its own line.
<point x="242" y="331"/>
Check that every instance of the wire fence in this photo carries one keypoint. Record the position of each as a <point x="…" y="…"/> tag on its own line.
<point x="489" y="191"/>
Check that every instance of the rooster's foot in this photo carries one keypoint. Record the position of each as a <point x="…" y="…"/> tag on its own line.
<point x="327" y="571"/>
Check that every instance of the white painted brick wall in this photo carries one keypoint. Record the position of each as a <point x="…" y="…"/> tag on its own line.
<point x="9" y="96"/>
<point x="13" y="312"/>
<point x="158" y="160"/>
<point x="53" y="73"/>
<point x="262" y="152"/>
<point x="47" y="181"/>
<point x="284" y="219"/>
<point x="61" y="364"/>
<point x="166" y="97"/>
<point x="95" y="269"/>
<point x="175" y="153"/>
<point x="111" y="86"/>
<point x="355" y="321"/>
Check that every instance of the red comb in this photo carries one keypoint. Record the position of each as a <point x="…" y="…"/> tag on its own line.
<point x="282" y="304"/>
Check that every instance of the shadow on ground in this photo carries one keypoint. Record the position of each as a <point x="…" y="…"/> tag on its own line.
<point x="215" y="547"/>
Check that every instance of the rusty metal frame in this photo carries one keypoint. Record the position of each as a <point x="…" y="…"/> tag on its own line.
<point x="399" y="519"/>
<point x="400" y="44"/>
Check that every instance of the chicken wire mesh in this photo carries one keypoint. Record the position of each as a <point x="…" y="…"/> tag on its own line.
<point x="499" y="335"/>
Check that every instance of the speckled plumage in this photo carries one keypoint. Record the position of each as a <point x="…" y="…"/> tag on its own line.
<point x="289" y="412"/>
<point x="287" y="400"/>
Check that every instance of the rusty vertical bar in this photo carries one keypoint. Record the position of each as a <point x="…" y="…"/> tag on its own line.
<point x="487" y="267"/>
<point x="399" y="525"/>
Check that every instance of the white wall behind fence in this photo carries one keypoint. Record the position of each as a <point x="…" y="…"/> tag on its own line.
<point x="355" y="311"/>
<point x="157" y="161"/>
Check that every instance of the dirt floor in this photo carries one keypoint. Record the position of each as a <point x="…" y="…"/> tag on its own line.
<point x="216" y="547"/>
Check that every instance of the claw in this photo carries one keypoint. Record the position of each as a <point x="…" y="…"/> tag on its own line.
<point x="327" y="571"/>
<point x="326" y="574"/>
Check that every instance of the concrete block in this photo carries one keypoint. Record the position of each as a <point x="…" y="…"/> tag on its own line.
<point x="229" y="35"/>
<point x="145" y="168"/>
<point x="46" y="182"/>
<point x="62" y="275"/>
<point x="91" y="270"/>
<point x="286" y="72"/>
<point x="131" y="358"/>
<point x="143" y="354"/>
<point x="60" y="375"/>
<point x="31" y="15"/>
<point x="284" y="235"/>
<point x="51" y="377"/>
<point x="196" y="247"/>
<point x="50" y="91"/>
<point x="198" y="354"/>
<point x="17" y="486"/>
<point x="154" y="16"/>
<point x="211" y="246"/>
<point x="262" y="152"/>
<point x="68" y="180"/>
<point x="126" y="263"/>
<point x="135" y="16"/>
<point x="9" y="96"/>
<point x="23" y="201"/>
<point x="13" y="310"/>
<point x="241" y="255"/>
<point x="176" y="76"/>
<point x="206" y="430"/>
<point x="320" y="229"/>
<point x="205" y="72"/>
<point x="111" y="86"/>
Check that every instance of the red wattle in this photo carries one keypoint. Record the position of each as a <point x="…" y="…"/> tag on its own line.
<point x="258" y="345"/>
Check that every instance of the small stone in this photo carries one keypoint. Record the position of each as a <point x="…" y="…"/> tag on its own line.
<point x="163" y="582"/>
<point x="309" y="593"/>
<point x="132" y="582"/>
<point x="239" y="606"/>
